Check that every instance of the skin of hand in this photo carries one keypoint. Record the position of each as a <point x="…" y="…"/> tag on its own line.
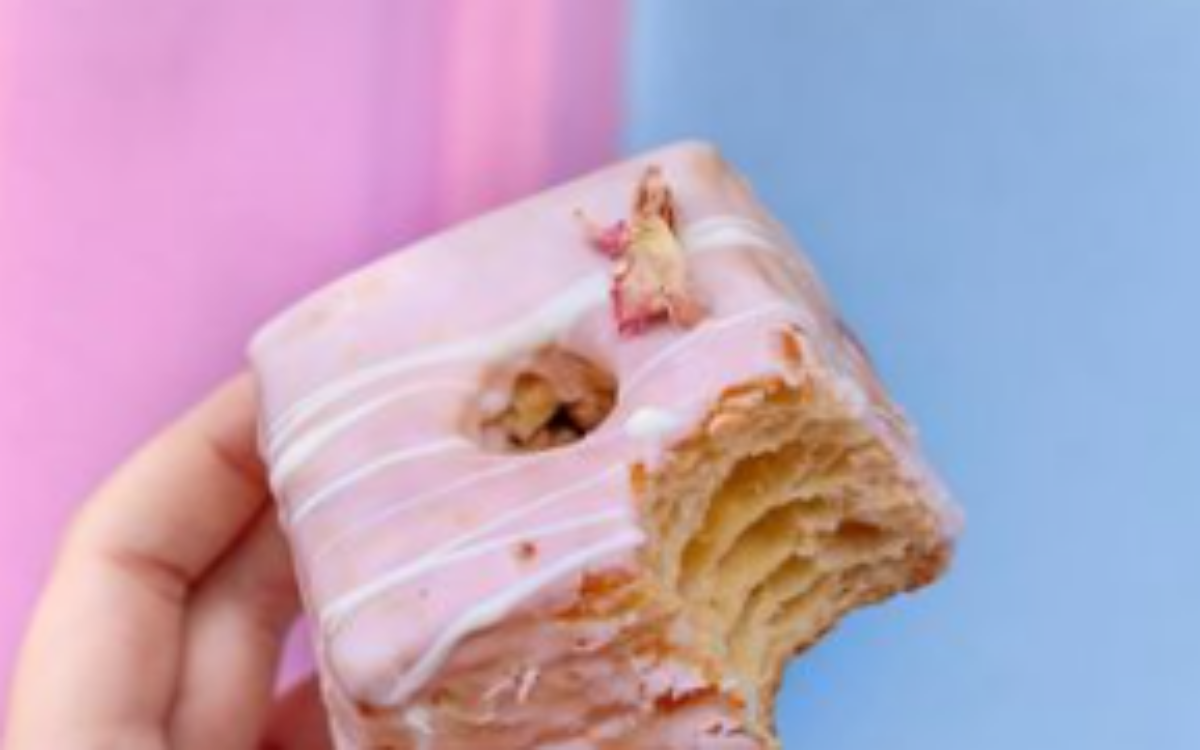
<point x="164" y="619"/>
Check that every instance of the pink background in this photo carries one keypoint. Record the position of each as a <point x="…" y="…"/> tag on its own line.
<point x="171" y="173"/>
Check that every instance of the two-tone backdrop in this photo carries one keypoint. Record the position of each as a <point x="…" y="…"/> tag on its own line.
<point x="1004" y="197"/>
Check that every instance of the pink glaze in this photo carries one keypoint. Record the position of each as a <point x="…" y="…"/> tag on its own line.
<point x="406" y="533"/>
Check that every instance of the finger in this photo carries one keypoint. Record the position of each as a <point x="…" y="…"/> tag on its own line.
<point x="234" y="634"/>
<point x="298" y="721"/>
<point x="180" y="503"/>
<point x="101" y="658"/>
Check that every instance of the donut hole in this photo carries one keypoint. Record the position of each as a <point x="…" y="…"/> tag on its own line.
<point x="542" y="400"/>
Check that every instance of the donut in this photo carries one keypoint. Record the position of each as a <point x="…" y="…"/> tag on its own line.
<point x="586" y="472"/>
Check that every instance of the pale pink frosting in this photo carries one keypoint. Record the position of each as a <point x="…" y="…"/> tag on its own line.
<point x="405" y="531"/>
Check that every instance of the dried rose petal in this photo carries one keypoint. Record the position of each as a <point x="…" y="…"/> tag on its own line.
<point x="611" y="240"/>
<point x="650" y="280"/>
<point x="614" y="240"/>
<point x="654" y="198"/>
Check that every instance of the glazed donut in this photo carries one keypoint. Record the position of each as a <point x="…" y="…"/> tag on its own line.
<point x="551" y="482"/>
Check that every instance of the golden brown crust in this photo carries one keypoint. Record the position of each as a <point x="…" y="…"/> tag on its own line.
<point x="914" y="549"/>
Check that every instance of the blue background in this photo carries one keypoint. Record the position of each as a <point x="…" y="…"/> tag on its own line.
<point x="1005" y="198"/>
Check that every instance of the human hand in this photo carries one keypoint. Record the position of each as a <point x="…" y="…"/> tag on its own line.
<point x="163" y="622"/>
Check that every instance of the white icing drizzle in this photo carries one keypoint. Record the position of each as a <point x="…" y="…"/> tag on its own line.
<point x="351" y="383"/>
<point x="726" y="230"/>
<point x="287" y="457"/>
<point x="492" y="610"/>
<point x="335" y="614"/>
<point x="540" y="327"/>
<point x="339" y="485"/>
<point x="526" y="682"/>
<point x="418" y="719"/>
<point x="521" y="463"/>
<point x="651" y="423"/>
<point x="388" y="460"/>
<point x="511" y="465"/>
<point x="702" y="332"/>
<point x="303" y="429"/>
<point x="708" y="328"/>
<point x="347" y="605"/>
